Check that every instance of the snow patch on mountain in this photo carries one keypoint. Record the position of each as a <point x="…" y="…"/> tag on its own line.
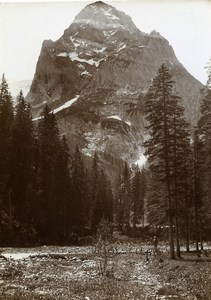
<point x="74" y="57"/>
<point x="101" y="24"/>
<point x="112" y="32"/>
<point x="38" y="118"/>
<point x="122" y="46"/>
<point x="86" y="73"/>
<point x="114" y="117"/>
<point x="100" y="50"/>
<point x="88" y="154"/>
<point x="119" y="119"/>
<point x="81" y="66"/>
<point x="109" y="15"/>
<point x="66" y="104"/>
<point x="63" y="54"/>
<point x="75" y="42"/>
<point x="128" y="123"/>
<point x="109" y="33"/>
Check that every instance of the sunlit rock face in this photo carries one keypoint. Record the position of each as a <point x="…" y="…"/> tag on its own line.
<point x="95" y="78"/>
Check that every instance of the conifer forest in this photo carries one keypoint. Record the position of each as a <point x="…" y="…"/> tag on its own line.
<point x="49" y="195"/>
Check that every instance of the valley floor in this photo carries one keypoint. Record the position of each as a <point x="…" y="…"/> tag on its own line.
<point x="71" y="273"/>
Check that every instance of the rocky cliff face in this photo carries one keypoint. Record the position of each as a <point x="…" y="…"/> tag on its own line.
<point x="96" y="75"/>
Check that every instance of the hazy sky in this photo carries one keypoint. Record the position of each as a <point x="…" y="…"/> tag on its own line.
<point x="23" y="27"/>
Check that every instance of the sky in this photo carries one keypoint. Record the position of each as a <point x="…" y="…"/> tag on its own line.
<point x="186" y="24"/>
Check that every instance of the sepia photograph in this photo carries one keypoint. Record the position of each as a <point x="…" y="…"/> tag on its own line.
<point x="105" y="150"/>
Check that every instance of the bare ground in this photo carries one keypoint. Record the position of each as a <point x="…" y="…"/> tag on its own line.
<point x="71" y="273"/>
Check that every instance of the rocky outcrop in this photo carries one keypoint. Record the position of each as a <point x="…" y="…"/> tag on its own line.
<point x="102" y="66"/>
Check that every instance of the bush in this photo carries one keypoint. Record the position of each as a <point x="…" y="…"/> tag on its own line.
<point x="105" y="248"/>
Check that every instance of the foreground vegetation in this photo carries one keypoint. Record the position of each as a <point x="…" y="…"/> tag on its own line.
<point x="73" y="273"/>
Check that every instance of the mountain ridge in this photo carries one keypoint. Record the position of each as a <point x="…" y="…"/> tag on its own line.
<point x="108" y="68"/>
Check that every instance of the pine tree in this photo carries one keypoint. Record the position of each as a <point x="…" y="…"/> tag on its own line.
<point x="208" y="68"/>
<point x="45" y="211"/>
<point x="64" y="191"/>
<point x="165" y="122"/>
<point x="102" y="197"/>
<point x="179" y="134"/>
<point x="185" y="188"/>
<point x="79" y="216"/>
<point x="118" y="205"/>
<point x="156" y="200"/>
<point x="22" y="160"/>
<point x="125" y="197"/>
<point x="95" y="177"/>
<point x="96" y="203"/>
<point x="6" y="118"/>
<point x="109" y="204"/>
<point x="137" y="196"/>
<point x="6" y="108"/>
<point x="204" y="151"/>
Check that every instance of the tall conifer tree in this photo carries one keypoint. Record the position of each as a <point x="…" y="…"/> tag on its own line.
<point x="22" y="159"/>
<point x="46" y="212"/>
<point x="204" y="140"/>
<point x="64" y="191"/>
<point x="102" y="197"/>
<point x="79" y="194"/>
<point x="126" y="197"/>
<point x="165" y="122"/>
<point x="6" y="118"/>
<point x="137" y="196"/>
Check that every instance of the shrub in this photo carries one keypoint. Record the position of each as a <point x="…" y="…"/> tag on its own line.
<point x="105" y="248"/>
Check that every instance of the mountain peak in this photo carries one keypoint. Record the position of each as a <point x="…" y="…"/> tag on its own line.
<point x="105" y="63"/>
<point x="99" y="3"/>
<point x="102" y="15"/>
<point x="156" y="34"/>
<point x="95" y="79"/>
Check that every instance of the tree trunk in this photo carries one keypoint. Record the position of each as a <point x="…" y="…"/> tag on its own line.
<point x="196" y="192"/>
<point x="176" y="196"/>
<point x="142" y="219"/>
<point x="134" y="217"/>
<point x="10" y="210"/>
<point x="171" y="236"/>
<point x="167" y="173"/>
<point x="177" y="229"/>
<point x="187" y="221"/>
<point x="134" y="226"/>
<point x="200" y="235"/>
<point x="171" y="231"/>
<point x="196" y="225"/>
<point x="187" y="234"/>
